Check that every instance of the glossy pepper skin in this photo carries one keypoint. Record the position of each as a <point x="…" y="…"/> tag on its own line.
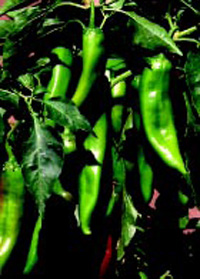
<point x="32" y="255"/>
<point x="90" y="176"/>
<point x="144" y="168"/>
<point x="157" y="113"/>
<point x="93" y="52"/>
<point x="117" y="92"/>
<point x="11" y="209"/>
<point x="105" y="264"/>
<point x="61" y="74"/>
<point x="146" y="175"/>
<point x="58" y="86"/>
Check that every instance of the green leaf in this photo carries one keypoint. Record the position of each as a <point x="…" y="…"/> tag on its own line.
<point x="15" y="4"/>
<point x="191" y="119"/>
<point x="118" y="177"/>
<point x="150" y="35"/>
<point x="42" y="162"/>
<point x="183" y="222"/>
<point x="52" y="22"/>
<point x="67" y="114"/>
<point x="119" y="174"/>
<point x="5" y="28"/>
<point x="118" y="4"/>
<point x="115" y="64"/>
<point x="27" y="80"/>
<point x="142" y="275"/>
<point x="19" y="42"/>
<point x="192" y="74"/>
<point x="8" y="98"/>
<point x="128" y="230"/>
<point x="42" y="62"/>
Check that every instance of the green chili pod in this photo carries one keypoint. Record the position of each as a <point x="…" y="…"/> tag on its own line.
<point x="58" y="86"/>
<point x="90" y="176"/>
<point x="157" y="113"/>
<point x="144" y="168"/>
<point x="117" y="111"/>
<point x="32" y="255"/>
<point x="61" y="74"/>
<point x="93" y="59"/>
<point x="11" y="209"/>
<point x="146" y="175"/>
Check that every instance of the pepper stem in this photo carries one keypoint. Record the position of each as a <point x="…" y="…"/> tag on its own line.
<point x="92" y="15"/>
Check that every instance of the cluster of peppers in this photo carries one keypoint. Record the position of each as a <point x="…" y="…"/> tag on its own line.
<point x="152" y="119"/>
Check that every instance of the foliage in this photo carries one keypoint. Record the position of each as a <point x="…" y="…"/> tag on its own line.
<point x="147" y="242"/>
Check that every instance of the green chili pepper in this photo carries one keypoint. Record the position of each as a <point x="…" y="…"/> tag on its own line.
<point x="157" y="114"/>
<point x="146" y="175"/>
<point x="58" y="86"/>
<point x="144" y="168"/>
<point x="11" y="209"/>
<point x="61" y="74"/>
<point x="93" y="52"/>
<point x="90" y="176"/>
<point x="32" y="255"/>
<point x="69" y="141"/>
<point x="117" y="111"/>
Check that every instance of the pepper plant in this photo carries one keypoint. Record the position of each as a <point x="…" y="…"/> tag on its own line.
<point x="99" y="138"/>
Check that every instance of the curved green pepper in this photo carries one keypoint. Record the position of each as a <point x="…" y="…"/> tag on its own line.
<point x="11" y="210"/>
<point x="144" y="168"/>
<point x="58" y="86"/>
<point x="90" y="176"/>
<point x="93" y="51"/>
<point x="32" y="255"/>
<point x="146" y="175"/>
<point x="157" y="114"/>
<point x="61" y="74"/>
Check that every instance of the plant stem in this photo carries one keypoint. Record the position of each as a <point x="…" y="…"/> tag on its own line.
<point x="103" y="21"/>
<point x="28" y="100"/>
<point x="72" y="4"/>
<point x="190" y="40"/>
<point x="185" y="32"/>
<point x="121" y="77"/>
<point x="92" y="15"/>
<point x="173" y="27"/>
<point x="169" y="19"/>
<point x="190" y="7"/>
<point x="166" y="275"/>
